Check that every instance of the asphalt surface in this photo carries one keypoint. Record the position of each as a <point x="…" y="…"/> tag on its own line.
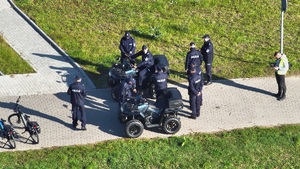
<point x="227" y="104"/>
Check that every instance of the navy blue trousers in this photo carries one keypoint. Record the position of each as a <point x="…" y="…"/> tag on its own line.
<point x="195" y="104"/>
<point x="75" y="109"/>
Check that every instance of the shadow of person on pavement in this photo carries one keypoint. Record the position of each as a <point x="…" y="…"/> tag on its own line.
<point x="101" y="110"/>
<point x="232" y="83"/>
<point x="221" y="80"/>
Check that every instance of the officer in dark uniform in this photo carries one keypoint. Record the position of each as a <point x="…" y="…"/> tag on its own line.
<point x="207" y="51"/>
<point x="195" y="92"/>
<point x="127" y="88"/>
<point x="127" y="47"/>
<point x="193" y="56"/>
<point x="160" y="80"/>
<point x="77" y="94"/>
<point x="144" y="66"/>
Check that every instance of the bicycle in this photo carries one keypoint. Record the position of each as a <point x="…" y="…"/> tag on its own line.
<point x="20" y="120"/>
<point x="7" y="132"/>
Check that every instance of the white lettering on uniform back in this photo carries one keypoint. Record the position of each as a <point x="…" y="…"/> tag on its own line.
<point x="161" y="80"/>
<point x="76" y="90"/>
<point x="194" y="56"/>
<point x="197" y="81"/>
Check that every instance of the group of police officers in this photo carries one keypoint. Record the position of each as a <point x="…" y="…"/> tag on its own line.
<point x="127" y="48"/>
<point x="194" y="59"/>
<point x="193" y="62"/>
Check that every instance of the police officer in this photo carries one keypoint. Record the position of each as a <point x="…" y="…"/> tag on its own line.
<point x="195" y="92"/>
<point x="77" y="94"/>
<point x="127" y="47"/>
<point x="144" y="66"/>
<point x="160" y="80"/>
<point x="193" y="57"/>
<point x="281" y="67"/>
<point x="207" y="51"/>
<point x="127" y="88"/>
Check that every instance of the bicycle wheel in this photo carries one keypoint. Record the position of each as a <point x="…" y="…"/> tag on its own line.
<point x="34" y="136"/>
<point x="16" y="121"/>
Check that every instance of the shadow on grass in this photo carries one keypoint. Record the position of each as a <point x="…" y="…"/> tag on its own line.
<point x="242" y="60"/>
<point x="137" y="33"/>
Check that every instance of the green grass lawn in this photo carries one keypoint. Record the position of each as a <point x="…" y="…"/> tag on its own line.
<point x="9" y="57"/>
<point x="249" y="148"/>
<point x="245" y="33"/>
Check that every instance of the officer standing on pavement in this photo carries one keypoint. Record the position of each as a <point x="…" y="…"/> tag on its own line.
<point x="144" y="66"/>
<point x="77" y="95"/>
<point x="281" y="67"/>
<point x="193" y="56"/>
<point x="160" y="80"/>
<point x="195" y="92"/>
<point x="126" y="89"/>
<point x="207" y="51"/>
<point x="127" y="47"/>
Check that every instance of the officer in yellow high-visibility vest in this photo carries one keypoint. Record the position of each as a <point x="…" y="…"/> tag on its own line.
<point x="281" y="67"/>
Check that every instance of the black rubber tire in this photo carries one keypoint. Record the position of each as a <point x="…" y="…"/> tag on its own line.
<point x="115" y="93"/>
<point x="171" y="125"/>
<point x="134" y="128"/>
<point x="15" y="121"/>
<point x="34" y="136"/>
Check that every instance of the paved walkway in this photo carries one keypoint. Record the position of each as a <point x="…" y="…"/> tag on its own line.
<point x="228" y="104"/>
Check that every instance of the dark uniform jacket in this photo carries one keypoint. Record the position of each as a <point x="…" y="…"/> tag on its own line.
<point x="127" y="45"/>
<point x="160" y="79"/>
<point x="126" y="90"/>
<point x="147" y="59"/>
<point x="77" y="92"/>
<point x="195" y="84"/>
<point x="207" y="51"/>
<point x="193" y="56"/>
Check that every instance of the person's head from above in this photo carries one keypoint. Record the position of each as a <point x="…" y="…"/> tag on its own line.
<point x="127" y="34"/>
<point x="78" y="78"/>
<point x="158" y="69"/>
<point x="145" y="49"/>
<point x="130" y="80"/>
<point x="206" y="37"/>
<point x="192" y="45"/>
<point x="277" y="55"/>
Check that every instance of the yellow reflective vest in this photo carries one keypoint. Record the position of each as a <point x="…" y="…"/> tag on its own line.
<point x="283" y="65"/>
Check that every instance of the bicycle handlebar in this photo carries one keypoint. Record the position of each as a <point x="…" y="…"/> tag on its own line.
<point x="17" y="104"/>
<point x="18" y="99"/>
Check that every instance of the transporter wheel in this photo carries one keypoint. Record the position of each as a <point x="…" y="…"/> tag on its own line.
<point x="134" y="128"/>
<point x="171" y="125"/>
